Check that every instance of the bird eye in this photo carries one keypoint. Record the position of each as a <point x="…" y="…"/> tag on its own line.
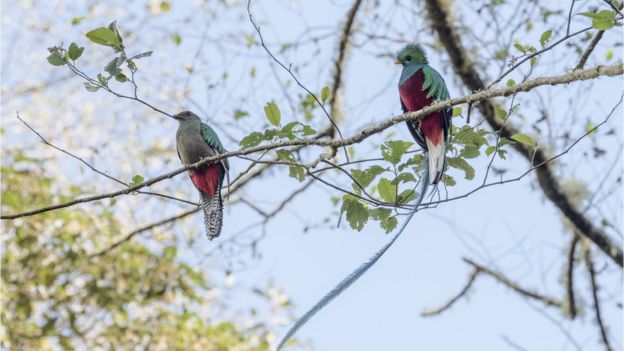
<point x="408" y="58"/>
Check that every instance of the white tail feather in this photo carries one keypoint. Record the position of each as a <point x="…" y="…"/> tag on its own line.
<point x="436" y="159"/>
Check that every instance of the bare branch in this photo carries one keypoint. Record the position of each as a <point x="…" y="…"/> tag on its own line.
<point x="345" y="37"/>
<point x="589" y="50"/>
<point x="548" y="301"/>
<point x="594" y="286"/>
<point x="140" y="230"/>
<point x="436" y="311"/>
<point x="571" y="303"/>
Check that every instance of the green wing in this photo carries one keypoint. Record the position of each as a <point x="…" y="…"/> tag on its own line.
<point x="434" y="84"/>
<point x="211" y="138"/>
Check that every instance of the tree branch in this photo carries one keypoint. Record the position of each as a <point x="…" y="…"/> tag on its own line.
<point x="436" y="311"/>
<point x="595" y="72"/>
<point x="345" y="38"/>
<point x="548" y="301"/>
<point x="571" y="303"/>
<point x="594" y="287"/>
<point x="589" y="50"/>
<point x="466" y="70"/>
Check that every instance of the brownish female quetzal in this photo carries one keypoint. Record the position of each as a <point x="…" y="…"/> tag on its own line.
<point x="196" y="141"/>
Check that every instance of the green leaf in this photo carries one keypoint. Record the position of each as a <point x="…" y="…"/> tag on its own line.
<point x="520" y="48"/>
<point x="609" y="55"/>
<point x="91" y="87"/>
<point x="404" y="177"/>
<point x="392" y="150"/>
<point x="379" y="213"/>
<point x="389" y="224"/>
<point x="382" y="215"/>
<point x="470" y="151"/>
<point x="238" y="114"/>
<point x="407" y="196"/>
<point x="169" y="253"/>
<point x="74" y="51"/>
<point x="502" y="153"/>
<point x="177" y="39"/>
<point x="490" y="150"/>
<point x="77" y="20"/>
<point x="137" y="179"/>
<point x="545" y="37"/>
<point x="460" y="163"/>
<point x="56" y="59"/>
<point x="500" y="112"/>
<point x="468" y="136"/>
<point x="102" y="79"/>
<point x="448" y="180"/>
<point x="511" y="83"/>
<point x="522" y="138"/>
<point x="297" y="173"/>
<point x="457" y="111"/>
<point x="324" y="94"/>
<point x="533" y="60"/>
<point x="307" y="130"/>
<point x="602" y="20"/>
<point x="141" y="55"/>
<point x="120" y="77"/>
<point x="356" y="211"/>
<point x="284" y="155"/>
<point x="253" y="139"/>
<point x="113" y="67"/>
<point x="366" y="177"/>
<point x="387" y="190"/>
<point x="104" y="36"/>
<point x="272" y="113"/>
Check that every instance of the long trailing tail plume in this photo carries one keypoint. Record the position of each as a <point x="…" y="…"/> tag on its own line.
<point x="358" y="272"/>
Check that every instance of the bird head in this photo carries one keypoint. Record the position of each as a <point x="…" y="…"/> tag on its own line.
<point x="185" y="116"/>
<point x="411" y="53"/>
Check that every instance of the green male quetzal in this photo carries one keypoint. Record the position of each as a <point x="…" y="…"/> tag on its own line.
<point x="420" y="86"/>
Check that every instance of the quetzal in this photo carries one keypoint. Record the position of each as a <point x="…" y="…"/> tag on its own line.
<point x="194" y="142"/>
<point x="421" y="85"/>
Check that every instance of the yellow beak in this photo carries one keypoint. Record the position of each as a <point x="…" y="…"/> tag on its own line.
<point x="397" y="62"/>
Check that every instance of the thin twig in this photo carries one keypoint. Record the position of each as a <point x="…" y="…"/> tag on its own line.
<point x="548" y="301"/>
<point x="571" y="301"/>
<point x="289" y="69"/>
<point x="345" y="38"/>
<point x="589" y="50"/>
<point x="140" y="230"/>
<point x="594" y="287"/>
<point x="45" y="141"/>
<point x="436" y="311"/>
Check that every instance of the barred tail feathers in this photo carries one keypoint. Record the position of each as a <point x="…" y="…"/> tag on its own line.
<point x="358" y="272"/>
<point x="212" y="207"/>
